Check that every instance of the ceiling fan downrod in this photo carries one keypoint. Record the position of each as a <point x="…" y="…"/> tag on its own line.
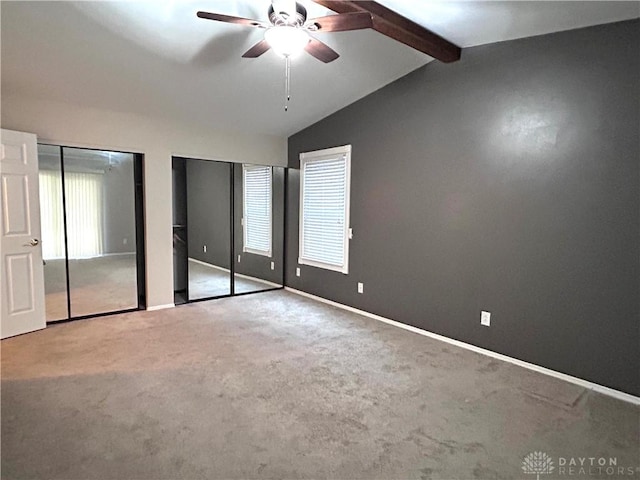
<point x="287" y="82"/>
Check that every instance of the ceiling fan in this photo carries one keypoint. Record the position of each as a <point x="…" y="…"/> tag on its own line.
<point x="288" y="31"/>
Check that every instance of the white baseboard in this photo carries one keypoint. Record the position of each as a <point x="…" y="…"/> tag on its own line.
<point x="226" y="270"/>
<point x="161" y="307"/>
<point x="259" y="280"/>
<point x="210" y="265"/>
<point x="625" y="397"/>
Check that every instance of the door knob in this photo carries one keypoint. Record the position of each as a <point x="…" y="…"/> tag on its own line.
<point x="34" y="242"/>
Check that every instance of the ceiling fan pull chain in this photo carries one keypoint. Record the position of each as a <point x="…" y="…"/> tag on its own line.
<point x="287" y="81"/>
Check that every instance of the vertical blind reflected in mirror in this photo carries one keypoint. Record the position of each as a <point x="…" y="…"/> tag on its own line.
<point x="89" y="231"/>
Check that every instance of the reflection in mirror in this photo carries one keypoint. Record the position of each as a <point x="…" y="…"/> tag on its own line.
<point x="208" y="193"/>
<point x="99" y="192"/>
<point x="52" y="233"/>
<point x="258" y="227"/>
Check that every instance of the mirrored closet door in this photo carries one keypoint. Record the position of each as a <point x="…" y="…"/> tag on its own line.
<point x="208" y="228"/>
<point x="228" y="229"/>
<point x="92" y="233"/>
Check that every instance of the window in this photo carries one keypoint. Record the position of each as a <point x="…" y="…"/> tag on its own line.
<point x="256" y="205"/>
<point x="324" y="208"/>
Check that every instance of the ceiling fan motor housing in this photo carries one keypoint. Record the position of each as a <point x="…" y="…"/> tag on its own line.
<point x="280" y="18"/>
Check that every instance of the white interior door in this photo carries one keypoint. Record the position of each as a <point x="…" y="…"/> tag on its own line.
<point x="22" y="299"/>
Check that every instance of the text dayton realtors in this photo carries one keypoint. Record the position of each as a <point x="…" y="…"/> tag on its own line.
<point x="593" y="466"/>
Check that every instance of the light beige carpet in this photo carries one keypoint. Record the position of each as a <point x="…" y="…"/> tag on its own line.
<point x="276" y="386"/>
<point x="100" y="284"/>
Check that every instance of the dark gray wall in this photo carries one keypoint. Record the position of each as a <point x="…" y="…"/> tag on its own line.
<point x="508" y="182"/>
<point x="179" y="214"/>
<point x="179" y="197"/>
<point x="209" y="211"/>
<point x="259" y="266"/>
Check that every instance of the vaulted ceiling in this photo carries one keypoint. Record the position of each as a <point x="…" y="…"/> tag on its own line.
<point x="158" y="58"/>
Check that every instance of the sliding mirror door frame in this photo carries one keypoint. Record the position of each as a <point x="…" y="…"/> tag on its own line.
<point x="180" y="188"/>
<point x="208" y="194"/>
<point x="139" y="240"/>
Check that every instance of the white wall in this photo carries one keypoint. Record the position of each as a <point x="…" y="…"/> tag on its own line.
<point x="158" y="139"/>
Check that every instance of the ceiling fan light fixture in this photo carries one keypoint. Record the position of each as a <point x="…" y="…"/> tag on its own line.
<point x="287" y="41"/>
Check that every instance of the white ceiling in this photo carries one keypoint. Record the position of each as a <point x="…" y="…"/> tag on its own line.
<point x="158" y="58"/>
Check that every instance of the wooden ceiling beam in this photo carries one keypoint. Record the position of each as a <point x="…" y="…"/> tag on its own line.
<point x="399" y="28"/>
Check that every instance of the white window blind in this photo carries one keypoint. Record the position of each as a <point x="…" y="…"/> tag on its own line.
<point x="83" y="200"/>
<point x="257" y="209"/>
<point x="51" y="216"/>
<point x="324" y="208"/>
<point x="83" y="197"/>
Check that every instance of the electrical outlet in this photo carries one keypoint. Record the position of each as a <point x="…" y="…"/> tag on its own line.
<point x="204" y="248"/>
<point x="238" y="258"/>
<point x="125" y="240"/>
<point x="273" y="265"/>
<point x="297" y="271"/>
<point x="360" y="287"/>
<point x="485" y="318"/>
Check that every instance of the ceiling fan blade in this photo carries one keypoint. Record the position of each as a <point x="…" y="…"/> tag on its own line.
<point x="341" y="23"/>
<point x="257" y="50"/>
<point x="321" y="51"/>
<point x="230" y="19"/>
